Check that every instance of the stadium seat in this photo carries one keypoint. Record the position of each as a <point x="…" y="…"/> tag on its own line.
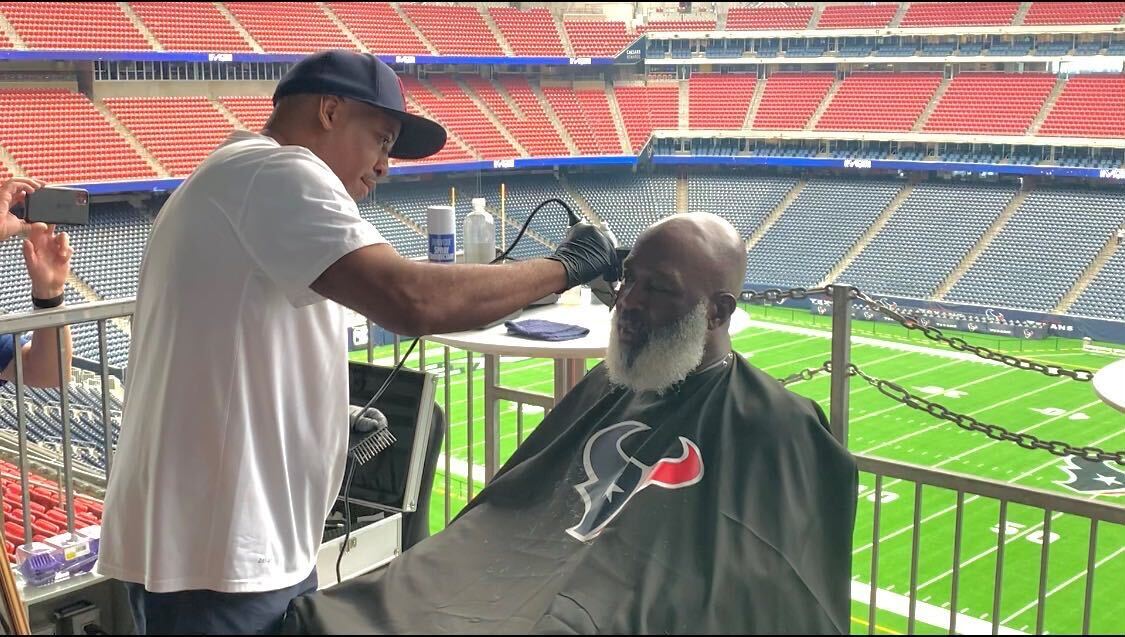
<point x="719" y="100"/>
<point x="379" y="27"/>
<point x="869" y="101"/>
<point x="195" y="26"/>
<point x="952" y="14"/>
<point x="1050" y="239"/>
<point x="289" y="27"/>
<point x="1089" y="106"/>
<point x="989" y="102"/>
<point x="100" y="26"/>
<point x="179" y="131"/>
<point x="866" y="16"/>
<point x="687" y="24"/>
<point x="628" y="203"/>
<point x="1103" y="297"/>
<point x="453" y="29"/>
<point x="742" y="200"/>
<point x="1075" y="13"/>
<point x="816" y="230"/>
<point x="529" y="124"/>
<point x="447" y="101"/>
<point x="251" y="110"/>
<point x="926" y="237"/>
<point x="647" y="108"/>
<point x="587" y="118"/>
<point x="51" y="132"/>
<point x="790" y="99"/>
<point x="769" y="18"/>
<point x="531" y="32"/>
<point x="595" y="38"/>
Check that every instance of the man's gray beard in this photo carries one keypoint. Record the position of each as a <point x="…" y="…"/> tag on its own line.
<point x="664" y="360"/>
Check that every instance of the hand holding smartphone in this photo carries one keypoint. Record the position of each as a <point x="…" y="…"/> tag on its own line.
<point x="56" y="204"/>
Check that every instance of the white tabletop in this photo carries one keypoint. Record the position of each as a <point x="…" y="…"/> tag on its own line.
<point x="496" y="340"/>
<point x="1109" y="384"/>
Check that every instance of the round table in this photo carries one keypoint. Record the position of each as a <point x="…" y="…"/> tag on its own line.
<point x="569" y="359"/>
<point x="1109" y="384"/>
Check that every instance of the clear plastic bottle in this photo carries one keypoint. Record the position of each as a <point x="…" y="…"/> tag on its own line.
<point x="480" y="234"/>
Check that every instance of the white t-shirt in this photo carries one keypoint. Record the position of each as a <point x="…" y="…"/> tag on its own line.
<point x="234" y="435"/>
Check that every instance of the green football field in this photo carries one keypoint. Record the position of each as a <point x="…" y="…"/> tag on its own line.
<point x="786" y="341"/>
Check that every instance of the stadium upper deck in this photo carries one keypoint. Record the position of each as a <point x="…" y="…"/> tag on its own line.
<point x="466" y="29"/>
<point x="1014" y="110"/>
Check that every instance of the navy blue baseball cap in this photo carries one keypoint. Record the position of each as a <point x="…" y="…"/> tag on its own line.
<point x="364" y="78"/>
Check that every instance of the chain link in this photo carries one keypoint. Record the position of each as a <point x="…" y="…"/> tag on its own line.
<point x="773" y="295"/>
<point x="996" y="432"/>
<point x="901" y="395"/>
<point x="805" y="374"/>
<point x="961" y="345"/>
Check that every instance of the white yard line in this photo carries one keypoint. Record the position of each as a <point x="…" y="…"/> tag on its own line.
<point x="944" y="423"/>
<point x="992" y="549"/>
<point x="1068" y="582"/>
<point x="924" y="612"/>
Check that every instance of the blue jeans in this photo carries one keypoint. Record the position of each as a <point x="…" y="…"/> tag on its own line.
<point x="204" y="612"/>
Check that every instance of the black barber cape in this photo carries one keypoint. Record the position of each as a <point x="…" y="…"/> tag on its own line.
<point x="724" y="506"/>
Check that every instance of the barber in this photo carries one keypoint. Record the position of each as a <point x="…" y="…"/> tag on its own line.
<point x="235" y="428"/>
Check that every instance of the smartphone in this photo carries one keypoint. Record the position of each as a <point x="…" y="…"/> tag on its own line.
<point x="56" y="204"/>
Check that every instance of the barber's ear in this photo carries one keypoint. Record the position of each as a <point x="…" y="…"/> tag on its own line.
<point x="329" y="111"/>
<point x="723" y="306"/>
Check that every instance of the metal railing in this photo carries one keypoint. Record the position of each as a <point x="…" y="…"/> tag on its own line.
<point x="19" y="324"/>
<point x="1051" y="504"/>
<point x="461" y="479"/>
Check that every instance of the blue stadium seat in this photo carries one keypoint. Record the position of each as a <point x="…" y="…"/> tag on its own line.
<point x="925" y="239"/>
<point x="816" y="230"/>
<point x="1039" y="254"/>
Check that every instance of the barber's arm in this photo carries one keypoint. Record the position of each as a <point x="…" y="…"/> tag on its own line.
<point x="414" y="298"/>
<point x="47" y="256"/>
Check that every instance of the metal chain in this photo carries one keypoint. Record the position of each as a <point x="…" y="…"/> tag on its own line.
<point x="805" y="374"/>
<point x="901" y="395"/>
<point x="961" y="345"/>
<point x="773" y="295"/>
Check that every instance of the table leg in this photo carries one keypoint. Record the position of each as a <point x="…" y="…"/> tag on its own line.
<point x="561" y="384"/>
<point x="568" y="373"/>
<point x="491" y="416"/>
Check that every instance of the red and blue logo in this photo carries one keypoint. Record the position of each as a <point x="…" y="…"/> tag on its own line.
<point x="613" y="477"/>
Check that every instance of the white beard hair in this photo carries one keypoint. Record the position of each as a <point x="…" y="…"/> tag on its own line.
<point x="665" y="360"/>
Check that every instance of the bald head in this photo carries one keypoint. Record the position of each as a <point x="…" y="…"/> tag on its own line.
<point x="705" y="246"/>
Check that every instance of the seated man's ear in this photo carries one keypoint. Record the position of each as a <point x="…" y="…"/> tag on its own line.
<point x="724" y="304"/>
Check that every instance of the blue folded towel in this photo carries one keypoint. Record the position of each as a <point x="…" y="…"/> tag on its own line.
<point x="545" y="330"/>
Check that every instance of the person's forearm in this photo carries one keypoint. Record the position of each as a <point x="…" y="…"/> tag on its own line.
<point x="41" y="364"/>
<point x="453" y="298"/>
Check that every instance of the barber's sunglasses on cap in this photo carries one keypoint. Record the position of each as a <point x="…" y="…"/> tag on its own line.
<point x="364" y="78"/>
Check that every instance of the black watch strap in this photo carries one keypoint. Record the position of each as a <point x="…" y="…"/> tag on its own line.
<point x="45" y="304"/>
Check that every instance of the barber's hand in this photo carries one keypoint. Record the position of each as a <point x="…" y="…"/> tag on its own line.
<point x="586" y="253"/>
<point x="47" y="256"/>
<point x="14" y="192"/>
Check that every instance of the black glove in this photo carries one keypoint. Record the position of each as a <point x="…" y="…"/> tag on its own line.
<point x="586" y="253"/>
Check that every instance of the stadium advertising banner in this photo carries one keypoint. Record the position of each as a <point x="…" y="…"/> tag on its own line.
<point x="975" y="319"/>
<point x="634" y="53"/>
<point x="864" y="165"/>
